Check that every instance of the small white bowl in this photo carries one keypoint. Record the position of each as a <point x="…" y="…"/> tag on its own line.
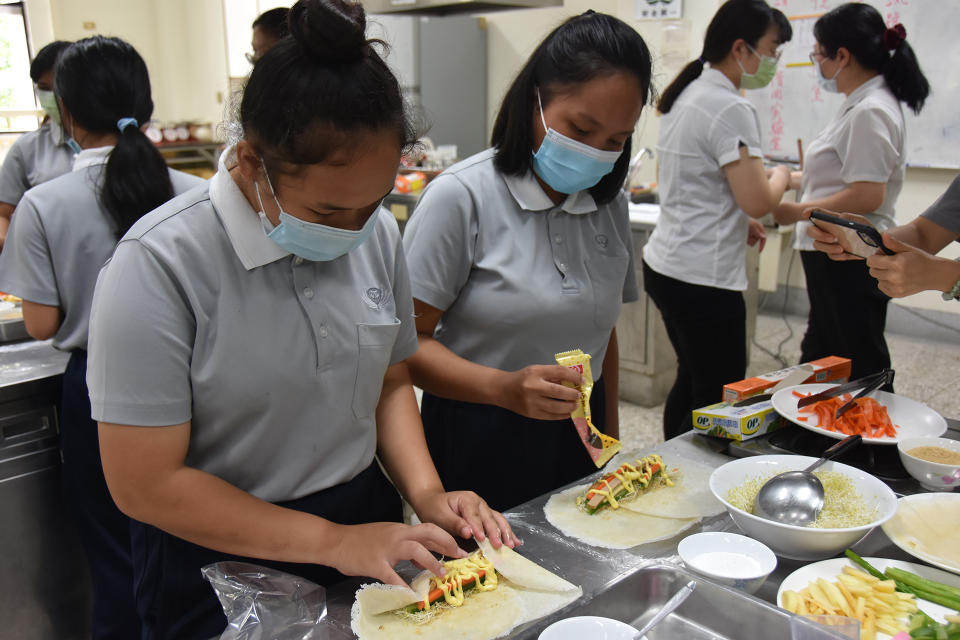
<point x="792" y="541"/>
<point x="592" y="627"/>
<point x="729" y="559"/>
<point x="932" y="475"/>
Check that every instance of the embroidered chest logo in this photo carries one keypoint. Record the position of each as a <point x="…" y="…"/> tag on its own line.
<point x="601" y="240"/>
<point x="376" y="297"/>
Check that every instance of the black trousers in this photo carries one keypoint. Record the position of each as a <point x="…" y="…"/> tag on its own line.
<point x="104" y="531"/>
<point x="503" y="456"/>
<point x="707" y="327"/>
<point x="848" y="314"/>
<point x="176" y="603"/>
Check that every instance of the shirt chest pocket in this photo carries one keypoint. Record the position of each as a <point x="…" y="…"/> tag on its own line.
<point x="607" y="275"/>
<point x="375" y="344"/>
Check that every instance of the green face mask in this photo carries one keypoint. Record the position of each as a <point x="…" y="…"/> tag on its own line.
<point x="765" y="72"/>
<point x="48" y="102"/>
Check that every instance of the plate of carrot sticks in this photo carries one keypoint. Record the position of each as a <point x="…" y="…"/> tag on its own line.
<point x="879" y="418"/>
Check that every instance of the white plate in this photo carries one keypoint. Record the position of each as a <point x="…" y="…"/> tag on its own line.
<point x="593" y="627"/>
<point x="942" y="498"/>
<point x="913" y="419"/>
<point x="830" y="569"/>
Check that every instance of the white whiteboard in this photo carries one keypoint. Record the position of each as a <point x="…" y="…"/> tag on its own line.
<point x="794" y="107"/>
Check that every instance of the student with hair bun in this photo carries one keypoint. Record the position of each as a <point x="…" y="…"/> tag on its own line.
<point x="713" y="187"/>
<point x="523" y="251"/>
<point x="248" y="343"/>
<point x="63" y="232"/>
<point x="856" y="165"/>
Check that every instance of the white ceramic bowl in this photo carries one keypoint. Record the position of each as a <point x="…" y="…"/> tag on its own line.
<point x="729" y="559"/>
<point x="791" y="541"/>
<point x="932" y="475"/>
<point x="589" y="627"/>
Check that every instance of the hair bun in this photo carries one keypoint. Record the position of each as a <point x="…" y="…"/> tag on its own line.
<point x="330" y="30"/>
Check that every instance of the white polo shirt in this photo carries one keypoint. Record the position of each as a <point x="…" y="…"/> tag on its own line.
<point x="59" y="239"/>
<point x="277" y="361"/>
<point x="518" y="278"/>
<point x="35" y="158"/>
<point x="701" y="234"/>
<point x="864" y="142"/>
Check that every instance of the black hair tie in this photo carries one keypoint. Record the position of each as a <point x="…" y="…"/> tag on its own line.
<point x="894" y="36"/>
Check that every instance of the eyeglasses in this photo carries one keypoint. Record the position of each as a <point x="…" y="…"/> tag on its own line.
<point x="776" y="54"/>
<point x="815" y="55"/>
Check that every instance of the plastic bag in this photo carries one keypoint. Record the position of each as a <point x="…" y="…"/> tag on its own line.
<point x="267" y="604"/>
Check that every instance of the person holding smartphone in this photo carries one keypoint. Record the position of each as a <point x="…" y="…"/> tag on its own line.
<point x="713" y="187"/>
<point x="914" y="265"/>
<point x="856" y="164"/>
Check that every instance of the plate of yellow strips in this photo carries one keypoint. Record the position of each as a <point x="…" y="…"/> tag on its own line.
<point x="840" y="587"/>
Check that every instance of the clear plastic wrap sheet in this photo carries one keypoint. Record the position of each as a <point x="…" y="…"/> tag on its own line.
<point x="267" y="604"/>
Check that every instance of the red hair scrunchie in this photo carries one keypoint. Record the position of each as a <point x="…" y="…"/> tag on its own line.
<point x="893" y="36"/>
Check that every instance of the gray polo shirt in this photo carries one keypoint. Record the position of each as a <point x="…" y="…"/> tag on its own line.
<point x="59" y="239"/>
<point x="518" y="278"/>
<point x="278" y="362"/>
<point x="946" y="210"/>
<point x="35" y="158"/>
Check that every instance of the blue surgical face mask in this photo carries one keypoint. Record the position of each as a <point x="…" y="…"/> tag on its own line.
<point x="828" y="84"/>
<point x="70" y="141"/>
<point x="569" y="166"/>
<point x="310" y="240"/>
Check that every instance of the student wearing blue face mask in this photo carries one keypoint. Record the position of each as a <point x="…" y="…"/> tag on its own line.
<point x="247" y="348"/>
<point x="523" y="251"/>
<point x="712" y="190"/>
<point x="856" y="164"/>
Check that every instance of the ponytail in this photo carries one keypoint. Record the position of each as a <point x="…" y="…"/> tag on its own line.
<point x="860" y="29"/>
<point x="905" y="79"/>
<point x="748" y="20"/>
<point x="136" y="179"/>
<point x="104" y="84"/>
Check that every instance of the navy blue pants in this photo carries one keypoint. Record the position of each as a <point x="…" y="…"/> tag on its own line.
<point x="503" y="456"/>
<point x="707" y="327"/>
<point x="104" y="530"/>
<point x="174" y="600"/>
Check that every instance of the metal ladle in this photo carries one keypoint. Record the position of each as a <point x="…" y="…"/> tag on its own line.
<point x="667" y="608"/>
<point x="796" y="497"/>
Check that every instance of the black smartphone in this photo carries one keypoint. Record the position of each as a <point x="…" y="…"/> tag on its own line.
<point x="861" y="240"/>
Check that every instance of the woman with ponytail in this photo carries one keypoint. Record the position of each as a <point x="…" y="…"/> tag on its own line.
<point x="855" y="165"/>
<point x="247" y="348"/>
<point x="713" y="187"/>
<point x="62" y="234"/>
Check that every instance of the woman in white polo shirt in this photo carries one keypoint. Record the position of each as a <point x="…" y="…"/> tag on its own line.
<point x="247" y="345"/>
<point x="712" y="188"/>
<point x="856" y="165"/>
<point x="523" y="251"/>
<point x="63" y="232"/>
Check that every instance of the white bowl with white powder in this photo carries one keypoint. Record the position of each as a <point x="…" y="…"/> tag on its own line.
<point x="729" y="559"/>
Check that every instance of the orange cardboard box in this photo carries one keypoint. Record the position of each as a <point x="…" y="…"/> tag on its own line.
<point x="829" y="369"/>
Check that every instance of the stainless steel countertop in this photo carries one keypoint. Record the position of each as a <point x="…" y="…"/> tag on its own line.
<point x="595" y="569"/>
<point x="29" y="361"/>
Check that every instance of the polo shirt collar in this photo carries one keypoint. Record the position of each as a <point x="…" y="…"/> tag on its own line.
<point x="91" y="157"/>
<point x="861" y="92"/>
<point x="241" y="221"/>
<point x="717" y="78"/>
<point x="56" y="133"/>
<point x="531" y="197"/>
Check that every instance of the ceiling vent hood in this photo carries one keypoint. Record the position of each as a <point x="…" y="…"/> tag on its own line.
<point x="452" y="7"/>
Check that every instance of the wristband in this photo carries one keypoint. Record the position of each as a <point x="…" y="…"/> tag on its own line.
<point x="954" y="293"/>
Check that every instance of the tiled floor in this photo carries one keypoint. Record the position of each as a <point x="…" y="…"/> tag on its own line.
<point x="926" y="371"/>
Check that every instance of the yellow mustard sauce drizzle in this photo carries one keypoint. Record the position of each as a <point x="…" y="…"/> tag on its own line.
<point x="459" y="571"/>
<point x="629" y="475"/>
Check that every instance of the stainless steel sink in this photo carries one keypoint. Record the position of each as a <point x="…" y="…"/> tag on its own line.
<point x="712" y="612"/>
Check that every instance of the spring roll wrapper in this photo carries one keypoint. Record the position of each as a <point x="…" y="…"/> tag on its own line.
<point x="580" y="362"/>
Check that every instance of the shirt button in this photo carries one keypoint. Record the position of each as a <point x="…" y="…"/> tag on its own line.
<point x="323" y="332"/>
<point x="308" y="293"/>
<point x="297" y="261"/>
<point x="558" y="239"/>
